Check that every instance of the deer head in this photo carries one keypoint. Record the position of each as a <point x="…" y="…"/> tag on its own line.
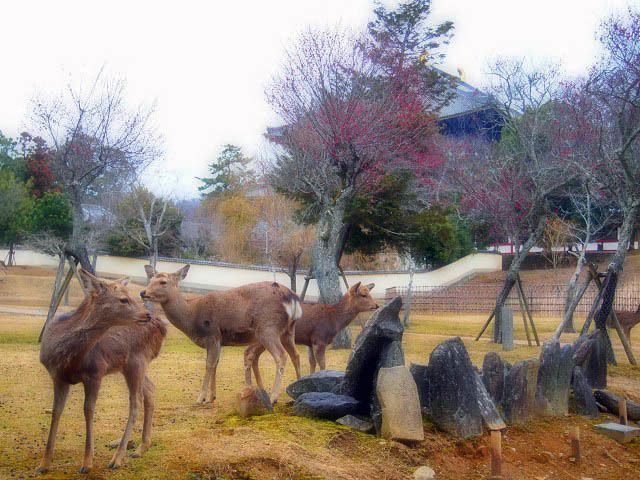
<point x="162" y="286"/>
<point x="359" y="298"/>
<point x="111" y="301"/>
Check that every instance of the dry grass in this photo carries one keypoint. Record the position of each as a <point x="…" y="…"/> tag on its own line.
<point x="212" y="442"/>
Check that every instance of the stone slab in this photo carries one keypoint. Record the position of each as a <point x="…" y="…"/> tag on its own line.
<point x="398" y="396"/>
<point x="357" y="423"/>
<point x="322" y="381"/>
<point x="620" y="433"/>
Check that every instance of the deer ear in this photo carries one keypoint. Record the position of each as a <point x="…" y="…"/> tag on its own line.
<point x="182" y="273"/>
<point x="151" y="272"/>
<point x="354" y="289"/>
<point x="370" y="286"/>
<point x="123" y="281"/>
<point x="91" y="283"/>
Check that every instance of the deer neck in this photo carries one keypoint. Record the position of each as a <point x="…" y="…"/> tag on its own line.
<point x="345" y="313"/>
<point x="178" y="312"/>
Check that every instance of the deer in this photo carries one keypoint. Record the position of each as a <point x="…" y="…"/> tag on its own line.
<point x="4" y="267"/>
<point x="109" y="332"/>
<point x="264" y="313"/>
<point x="627" y="320"/>
<point x="320" y="323"/>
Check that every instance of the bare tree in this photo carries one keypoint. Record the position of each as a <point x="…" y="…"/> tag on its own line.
<point x="510" y="185"/>
<point x="96" y="140"/>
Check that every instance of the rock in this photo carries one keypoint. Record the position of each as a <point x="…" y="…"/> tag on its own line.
<point x="554" y="379"/>
<point x="252" y="401"/>
<point x="452" y="398"/>
<point x="518" y="401"/>
<point x="324" y="405"/>
<point x="610" y="402"/>
<point x="383" y="327"/>
<point x="398" y="396"/>
<point x="419" y="373"/>
<point x="584" y="403"/>
<point x="493" y="372"/>
<point x="390" y="356"/>
<point x="322" y="381"/>
<point x="620" y="433"/>
<point x="424" y="473"/>
<point x="488" y="410"/>
<point x="357" y="423"/>
<point x="593" y="358"/>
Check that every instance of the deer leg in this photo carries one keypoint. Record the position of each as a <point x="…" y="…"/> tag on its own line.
<point x="312" y="360"/>
<point x="627" y="333"/>
<point x="251" y="361"/>
<point x="148" y="394"/>
<point x="135" y="378"/>
<point x="213" y="355"/>
<point x="271" y="341"/>
<point x="91" y="389"/>
<point x="288" y="342"/>
<point x="60" y="392"/>
<point x="318" y="351"/>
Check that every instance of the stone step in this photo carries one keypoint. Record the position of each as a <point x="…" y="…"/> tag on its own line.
<point x="620" y="433"/>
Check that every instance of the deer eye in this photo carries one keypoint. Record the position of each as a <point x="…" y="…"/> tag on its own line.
<point x="124" y="300"/>
<point x="163" y="282"/>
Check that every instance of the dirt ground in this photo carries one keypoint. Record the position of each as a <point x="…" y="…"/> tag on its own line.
<point x="194" y="442"/>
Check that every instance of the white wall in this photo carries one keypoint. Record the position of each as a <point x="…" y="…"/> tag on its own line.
<point x="215" y="277"/>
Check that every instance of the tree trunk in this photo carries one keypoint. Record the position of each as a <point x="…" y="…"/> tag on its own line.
<point x="329" y="235"/>
<point x="573" y="296"/>
<point x="293" y="269"/>
<point x="12" y="255"/>
<point x="78" y="248"/>
<point x="407" y="305"/>
<point x="154" y="254"/>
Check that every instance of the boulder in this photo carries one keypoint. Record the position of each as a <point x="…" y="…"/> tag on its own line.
<point x="398" y="396"/>
<point x="493" y="372"/>
<point x="390" y="356"/>
<point x="357" y="423"/>
<point x="583" y="402"/>
<point x="322" y="381"/>
<point x="591" y="355"/>
<point x="382" y="328"/>
<point x="518" y="401"/>
<point x="324" y="405"/>
<point x="554" y="379"/>
<point x="488" y="410"/>
<point x="452" y="397"/>
<point x="424" y="473"/>
<point x="419" y="373"/>
<point x="252" y="401"/>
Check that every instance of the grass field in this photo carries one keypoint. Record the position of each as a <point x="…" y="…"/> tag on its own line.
<point x="194" y="442"/>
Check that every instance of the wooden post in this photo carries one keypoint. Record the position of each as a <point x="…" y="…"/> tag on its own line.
<point x="304" y="288"/>
<point x="55" y="301"/>
<point x="574" y="435"/>
<point x="496" y="454"/>
<point x="526" y="306"/>
<point x="344" y="277"/>
<point x="524" y="318"/>
<point x="622" y="411"/>
<point x="486" y="324"/>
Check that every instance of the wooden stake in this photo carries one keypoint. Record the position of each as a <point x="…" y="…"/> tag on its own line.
<point x="622" y="411"/>
<point x="486" y="324"/>
<point x="55" y="302"/>
<point x="574" y="435"/>
<point x="496" y="454"/>
<point x="526" y="306"/>
<point x="524" y="318"/>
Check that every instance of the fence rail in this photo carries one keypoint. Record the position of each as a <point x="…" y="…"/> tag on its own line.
<point x="543" y="299"/>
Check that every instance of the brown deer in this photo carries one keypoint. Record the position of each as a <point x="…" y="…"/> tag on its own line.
<point x="320" y="323"/>
<point x="627" y="320"/>
<point x="109" y="332"/>
<point x="264" y="312"/>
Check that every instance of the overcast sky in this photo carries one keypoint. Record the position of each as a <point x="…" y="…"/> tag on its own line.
<point x="206" y="64"/>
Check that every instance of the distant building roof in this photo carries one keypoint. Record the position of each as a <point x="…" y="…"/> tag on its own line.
<point x="466" y="100"/>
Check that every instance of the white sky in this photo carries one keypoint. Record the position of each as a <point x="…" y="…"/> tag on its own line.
<point x="206" y="64"/>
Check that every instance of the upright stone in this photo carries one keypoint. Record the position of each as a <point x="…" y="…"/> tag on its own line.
<point x="519" y="397"/>
<point x="506" y="321"/>
<point x="583" y="403"/>
<point x="390" y="356"/>
<point x="591" y="355"/>
<point x="452" y="397"/>
<point x="554" y="379"/>
<point x="421" y="377"/>
<point x="398" y="396"/>
<point x="493" y="372"/>
<point x="382" y="328"/>
<point x="488" y="410"/>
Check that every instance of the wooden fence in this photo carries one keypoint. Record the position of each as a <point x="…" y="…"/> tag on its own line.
<point x="477" y="298"/>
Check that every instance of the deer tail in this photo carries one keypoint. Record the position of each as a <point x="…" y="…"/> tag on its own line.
<point x="293" y="307"/>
